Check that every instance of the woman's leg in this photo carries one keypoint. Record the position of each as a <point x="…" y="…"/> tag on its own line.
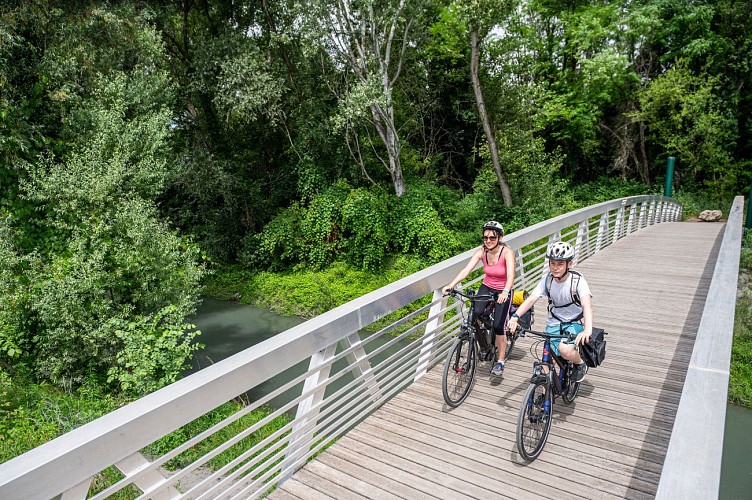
<point x="501" y="316"/>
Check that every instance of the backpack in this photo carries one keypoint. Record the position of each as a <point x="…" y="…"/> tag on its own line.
<point x="575" y="281"/>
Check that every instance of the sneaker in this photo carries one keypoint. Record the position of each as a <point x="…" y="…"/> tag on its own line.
<point x="498" y="368"/>
<point x="579" y="372"/>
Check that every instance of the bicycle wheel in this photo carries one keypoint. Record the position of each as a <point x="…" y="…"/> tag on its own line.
<point x="534" y="420"/>
<point x="570" y="388"/>
<point x="511" y="338"/>
<point x="459" y="371"/>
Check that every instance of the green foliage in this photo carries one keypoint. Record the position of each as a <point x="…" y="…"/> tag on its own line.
<point x="203" y="423"/>
<point x="365" y="227"/>
<point x="740" y="380"/>
<point x="102" y="260"/>
<point x="687" y="117"/>
<point x="608" y="188"/>
<point x="418" y="229"/>
<point x="694" y="202"/>
<point x="152" y="350"/>
<point x="305" y="292"/>
<point x="32" y="414"/>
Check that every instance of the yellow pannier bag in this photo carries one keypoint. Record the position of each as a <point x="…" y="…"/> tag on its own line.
<point x="519" y="297"/>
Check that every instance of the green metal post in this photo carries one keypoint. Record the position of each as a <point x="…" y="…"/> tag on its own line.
<point x="749" y="210"/>
<point x="669" y="176"/>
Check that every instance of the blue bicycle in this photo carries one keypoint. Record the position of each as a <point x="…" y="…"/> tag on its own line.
<point x="552" y="376"/>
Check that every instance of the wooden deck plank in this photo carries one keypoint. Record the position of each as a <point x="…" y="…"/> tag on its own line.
<point x="614" y="436"/>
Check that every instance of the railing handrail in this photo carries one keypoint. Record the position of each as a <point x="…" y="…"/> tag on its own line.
<point x="692" y="468"/>
<point x="65" y="463"/>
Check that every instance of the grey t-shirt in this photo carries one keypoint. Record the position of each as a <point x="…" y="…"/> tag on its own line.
<point x="561" y="293"/>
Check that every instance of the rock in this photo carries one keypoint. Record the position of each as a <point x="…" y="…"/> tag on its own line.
<point x="710" y="215"/>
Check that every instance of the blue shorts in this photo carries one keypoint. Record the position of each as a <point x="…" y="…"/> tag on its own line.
<point x="555" y="330"/>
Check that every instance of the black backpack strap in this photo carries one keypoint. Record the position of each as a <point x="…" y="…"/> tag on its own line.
<point x="573" y="291"/>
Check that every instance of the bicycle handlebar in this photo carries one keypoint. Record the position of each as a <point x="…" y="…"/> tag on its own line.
<point x="471" y="297"/>
<point x="569" y="336"/>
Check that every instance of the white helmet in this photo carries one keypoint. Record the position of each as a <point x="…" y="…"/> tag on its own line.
<point x="560" y="251"/>
<point x="494" y="226"/>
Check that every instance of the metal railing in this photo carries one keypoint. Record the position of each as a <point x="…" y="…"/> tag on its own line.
<point x="348" y="376"/>
<point x="692" y="468"/>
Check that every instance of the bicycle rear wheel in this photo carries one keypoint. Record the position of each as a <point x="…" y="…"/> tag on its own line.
<point x="534" y="420"/>
<point x="571" y="388"/>
<point x="459" y="371"/>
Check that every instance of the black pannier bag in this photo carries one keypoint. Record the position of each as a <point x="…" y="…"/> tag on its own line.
<point x="594" y="351"/>
<point x="526" y="320"/>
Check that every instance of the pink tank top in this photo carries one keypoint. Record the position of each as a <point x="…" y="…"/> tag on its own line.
<point x="496" y="275"/>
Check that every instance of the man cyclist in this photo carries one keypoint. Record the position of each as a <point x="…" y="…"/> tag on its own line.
<point x="569" y="305"/>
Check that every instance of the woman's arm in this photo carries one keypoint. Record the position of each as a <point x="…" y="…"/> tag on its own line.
<point x="467" y="270"/>
<point x="508" y="255"/>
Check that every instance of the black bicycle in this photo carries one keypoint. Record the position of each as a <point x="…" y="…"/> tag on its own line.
<point x="552" y="376"/>
<point x="462" y="360"/>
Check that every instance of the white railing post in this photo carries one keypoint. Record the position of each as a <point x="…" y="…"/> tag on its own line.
<point x="661" y="208"/>
<point x="602" y="232"/>
<point x="431" y="332"/>
<point x="632" y="217"/>
<point x="79" y="492"/>
<point x="618" y="223"/>
<point x="302" y="430"/>
<point x="519" y="274"/>
<point x="582" y="239"/>
<point x="643" y="215"/>
<point x="651" y="213"/>
<point x="145" y="482"/>
<point x="358" y="358"/>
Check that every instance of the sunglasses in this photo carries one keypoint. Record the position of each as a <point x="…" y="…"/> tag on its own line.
<point x="490" y="238"/>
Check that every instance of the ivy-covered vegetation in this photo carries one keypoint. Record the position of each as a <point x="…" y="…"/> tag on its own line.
<point x="149" y="149"/>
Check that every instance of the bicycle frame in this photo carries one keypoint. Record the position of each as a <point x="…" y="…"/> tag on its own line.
<point x="462" y="358"/>
<point x="550" y="360"/>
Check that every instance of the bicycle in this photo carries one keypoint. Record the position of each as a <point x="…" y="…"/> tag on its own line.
<point x="462" y="358"/>
<point x="552" y="377"/>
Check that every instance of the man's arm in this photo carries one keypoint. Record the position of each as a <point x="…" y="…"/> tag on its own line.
<point x="587" y="316"/>
<point x="524" y="307"/>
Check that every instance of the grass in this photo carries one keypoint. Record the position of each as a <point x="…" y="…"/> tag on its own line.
<point x="740" y="383"/>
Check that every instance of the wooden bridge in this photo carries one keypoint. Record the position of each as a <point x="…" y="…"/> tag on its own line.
<point x="370" y="421"/>
<point x="649" y="292"/>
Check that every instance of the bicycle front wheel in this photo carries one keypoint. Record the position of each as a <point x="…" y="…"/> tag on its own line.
<point x="534" y="420"/>
<point x="511" y="337"/>
<point x="459" y="371"/>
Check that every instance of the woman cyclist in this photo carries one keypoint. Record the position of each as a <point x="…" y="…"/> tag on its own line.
<point x="498" y="265"/>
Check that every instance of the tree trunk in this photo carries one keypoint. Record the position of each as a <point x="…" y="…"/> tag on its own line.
<point x="384" y="121"/>
<point x="506" y="194"/>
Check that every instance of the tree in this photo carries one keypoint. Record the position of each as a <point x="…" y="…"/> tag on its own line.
<point x="686" y="117"/>
<point x="96" y="286"/>
<point x="368" y="39"/>
<point x="481" y="16"/>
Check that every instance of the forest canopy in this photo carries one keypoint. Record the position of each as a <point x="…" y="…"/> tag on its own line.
<point x="143" y="143"/>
